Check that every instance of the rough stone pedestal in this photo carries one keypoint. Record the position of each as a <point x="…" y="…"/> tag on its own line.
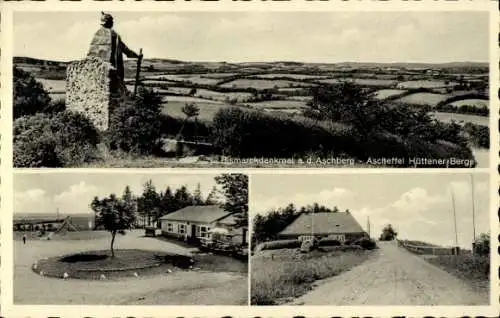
<point x="94" y="90"/>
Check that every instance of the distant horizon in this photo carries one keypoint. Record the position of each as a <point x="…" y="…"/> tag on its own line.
<point x="316" y="37"/>
<point x="272" y="61"/>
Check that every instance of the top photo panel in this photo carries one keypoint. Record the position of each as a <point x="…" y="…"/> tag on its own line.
<point x="251" y="89"/>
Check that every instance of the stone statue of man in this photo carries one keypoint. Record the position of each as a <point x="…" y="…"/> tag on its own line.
<point x="108" y="45"/>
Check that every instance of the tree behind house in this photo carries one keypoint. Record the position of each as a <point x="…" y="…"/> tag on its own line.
<point x="235" y="189"/>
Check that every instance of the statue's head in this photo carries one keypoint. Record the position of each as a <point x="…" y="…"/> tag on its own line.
<point x="106" y="20"/>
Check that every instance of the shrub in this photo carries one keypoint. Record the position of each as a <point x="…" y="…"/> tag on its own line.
<point x="29" y="95"/>
<point x="63" y="139"/>
<point x="366" y="243"/>
<point x="135" y="125"/>
<point x="274" y="245"/>
<point x="248" y="133"/>
<point x="482" y="245"/>
<point x="329" y="242"/>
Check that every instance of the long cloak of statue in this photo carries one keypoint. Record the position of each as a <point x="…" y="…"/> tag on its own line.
<point x="108" y="45"/>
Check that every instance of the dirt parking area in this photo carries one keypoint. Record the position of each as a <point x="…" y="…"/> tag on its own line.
<point x="177" y="288"/>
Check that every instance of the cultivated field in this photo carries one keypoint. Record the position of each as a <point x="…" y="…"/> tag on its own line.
<point x="263" y="84"/>
<point x="422" y="99"/>
<point x="426" y="84"/>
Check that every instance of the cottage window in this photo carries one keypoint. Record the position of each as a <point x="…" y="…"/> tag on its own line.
<point x="170" y="227"/>
<point x="204" y="231"/>
<point x="182" y="228"/>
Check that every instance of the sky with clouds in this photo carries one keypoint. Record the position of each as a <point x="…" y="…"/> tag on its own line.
<point x="72" y="193"/>
<point x="418" y="206"/>
<point x="264" y="36"/>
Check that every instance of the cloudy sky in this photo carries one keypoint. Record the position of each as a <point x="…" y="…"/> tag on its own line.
<point x="72" y="193"/>
<point x="265" y="36"/>
<point x="418" y="206"/>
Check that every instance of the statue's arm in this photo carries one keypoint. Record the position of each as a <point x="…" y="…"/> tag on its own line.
<point x="128" y="52"/>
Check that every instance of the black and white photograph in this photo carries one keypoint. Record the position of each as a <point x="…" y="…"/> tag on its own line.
<point x="130" y="239"/>
<point x="372" y="239"/>
<point x="251" y="89"/>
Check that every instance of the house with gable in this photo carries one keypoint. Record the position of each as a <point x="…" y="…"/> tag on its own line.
<point x="199" y="221"/>
<point x="341" y="226"/>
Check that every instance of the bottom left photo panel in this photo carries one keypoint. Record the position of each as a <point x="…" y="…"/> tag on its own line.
<point x="130" y="239"/>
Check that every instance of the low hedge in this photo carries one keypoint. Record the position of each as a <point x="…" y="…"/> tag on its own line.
<point x="329" y="242"/>
<point x="274" y="245"/>
<point x="249" y="133"/>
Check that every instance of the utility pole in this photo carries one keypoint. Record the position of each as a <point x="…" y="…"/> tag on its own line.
<point x="312" y="224"/>
<point x="473" y="215"/>
<point x="368" y="226"/>
<point x="454" y="217"/>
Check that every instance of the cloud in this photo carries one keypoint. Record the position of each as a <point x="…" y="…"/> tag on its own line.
<point x="71" y="201"/>
<point x="339" y="197"/>
<point x="420" y="215"/>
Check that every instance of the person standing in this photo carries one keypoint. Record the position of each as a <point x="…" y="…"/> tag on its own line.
<point x="24" y="238"/>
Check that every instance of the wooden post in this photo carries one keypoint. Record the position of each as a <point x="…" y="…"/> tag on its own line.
<point x="138" y="71"/>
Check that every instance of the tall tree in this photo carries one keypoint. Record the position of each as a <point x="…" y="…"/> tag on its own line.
<point x="129" y="201"/>
<point x="149" y="203"/>
<point x="113" y="214"/>
<point x="212" y="197"/>
<point x="235" y="189"/>
<point x="388" y="233"/>
<point x="197" y="198"/>
<point x="182" y="197"/>
<point x="167" y="204"/>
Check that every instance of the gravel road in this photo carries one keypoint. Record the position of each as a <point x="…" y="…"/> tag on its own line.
<point x="395" y="277"/>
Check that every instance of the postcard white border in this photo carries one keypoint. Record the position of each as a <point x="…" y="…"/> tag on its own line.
<point x="6" y="187"/>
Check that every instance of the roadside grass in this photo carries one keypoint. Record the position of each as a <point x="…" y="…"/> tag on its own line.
<point x="473" y="269"/>
<point x="285" y="274"/>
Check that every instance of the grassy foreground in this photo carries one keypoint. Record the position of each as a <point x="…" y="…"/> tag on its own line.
<point x="473" y="269"/>
<point x="281" y="275"/>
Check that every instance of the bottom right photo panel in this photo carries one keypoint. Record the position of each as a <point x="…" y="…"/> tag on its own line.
<point x="370" y="239"/>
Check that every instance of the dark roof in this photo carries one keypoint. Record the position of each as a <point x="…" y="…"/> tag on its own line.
<point x="323" y="223"/>
<point x="197" y="213"/>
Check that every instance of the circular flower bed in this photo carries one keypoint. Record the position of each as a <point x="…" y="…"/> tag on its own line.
<point x="100" y="264"/>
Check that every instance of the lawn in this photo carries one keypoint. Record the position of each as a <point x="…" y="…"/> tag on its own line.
<point x="278" y="276"/>
<point x="263" y="83"/>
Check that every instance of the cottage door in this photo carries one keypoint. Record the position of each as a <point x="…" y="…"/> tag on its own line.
<point x="193" y="230"/>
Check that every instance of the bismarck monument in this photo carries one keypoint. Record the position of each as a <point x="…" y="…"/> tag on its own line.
<point x="95" y="85"/>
